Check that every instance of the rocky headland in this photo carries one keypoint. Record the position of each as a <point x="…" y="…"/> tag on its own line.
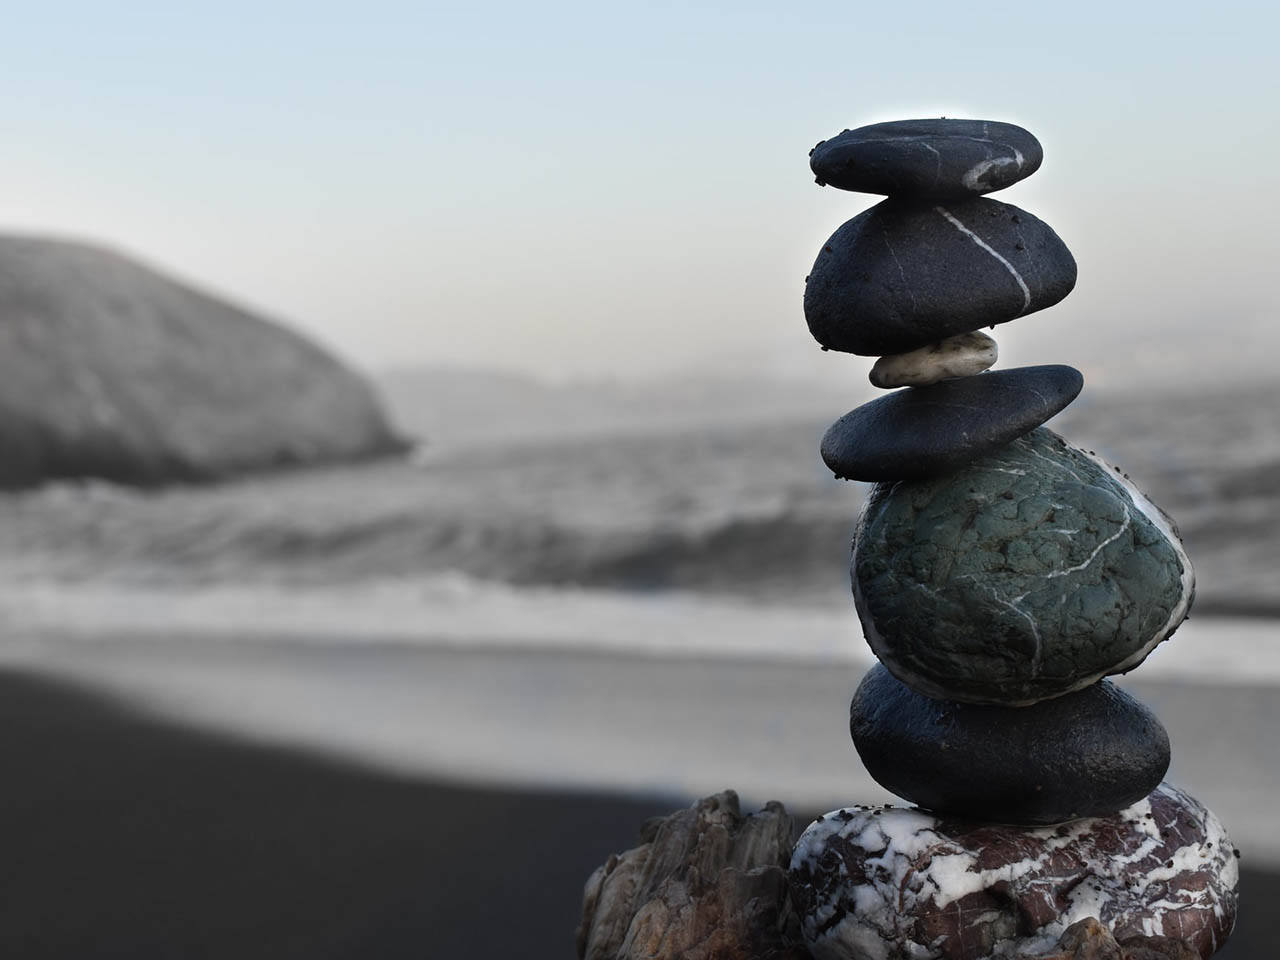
<point x="111" y="370"/>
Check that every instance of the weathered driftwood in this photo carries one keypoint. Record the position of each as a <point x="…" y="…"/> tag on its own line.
<point x="706" y="883"/>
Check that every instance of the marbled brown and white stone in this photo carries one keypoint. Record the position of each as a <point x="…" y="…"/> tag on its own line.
<point x="1026" y="574"/>
<point x="902" y="275"/>
<point x="1084" y="754"/>
<point x="963" y="355"/>
<point x="897" y="884"/>
<point x="1088" y="939"/>
<point x="938" y="158"/>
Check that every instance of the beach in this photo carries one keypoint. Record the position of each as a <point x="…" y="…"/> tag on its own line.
<point x="364" y="711"/>
<point x="129" y="832"/>
<point x="498" y="711"/>
<point x="124" y="836"/>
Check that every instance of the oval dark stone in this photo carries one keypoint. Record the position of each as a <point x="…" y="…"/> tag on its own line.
<point x="929" y="159"/>
<point x="902" y="275"/>
<point x="1031" y="572"/>
<point x="924" y="431"/>
<point x="1086" y="754"/>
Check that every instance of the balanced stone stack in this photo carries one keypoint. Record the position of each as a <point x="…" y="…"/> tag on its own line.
<point x="1000" y="574"/>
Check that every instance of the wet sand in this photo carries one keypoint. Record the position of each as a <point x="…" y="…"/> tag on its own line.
<point x="123" y="836"/>
<point x="605" y="721"/>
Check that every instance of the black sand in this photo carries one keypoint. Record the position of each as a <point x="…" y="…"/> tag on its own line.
<point x="121" y="836"/>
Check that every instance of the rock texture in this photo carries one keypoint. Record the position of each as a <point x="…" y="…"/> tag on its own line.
<point x="1085" y="754"/>
<point x="924" y="431"/>
<point x="895" y="884"/>
<point x="905" y="274"/>
<point x="935" y="158"/>
<point x="705" y="884"/>
<point x="1027" y="574"/>
<point x="1088" y="939"/>
<point x="111" y="370"/>
<point x="614" y="899"/>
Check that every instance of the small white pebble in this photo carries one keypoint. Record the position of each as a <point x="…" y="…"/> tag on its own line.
<point x="960" y="356"/>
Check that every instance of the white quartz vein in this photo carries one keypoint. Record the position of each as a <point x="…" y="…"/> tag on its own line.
<point x="910" y="287"/>
<point x="1037" y="657"/>
<point x="1038" y="654"/>
<point x="1165" y="526"/>
<point x="1057" y="465"/>
<point x="917" y="137"/>
<point x="1026" y="292"/>
<point x="937" y="168"/>
<point x="1128" y="520"/>
<point x="973" y="176"/>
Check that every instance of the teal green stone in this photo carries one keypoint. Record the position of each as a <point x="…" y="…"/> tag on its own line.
<point x="1025" y="575"/>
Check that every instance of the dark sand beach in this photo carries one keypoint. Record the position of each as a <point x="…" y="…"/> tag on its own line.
<point x="128" y="836"/>
<point x="511" y="716"/>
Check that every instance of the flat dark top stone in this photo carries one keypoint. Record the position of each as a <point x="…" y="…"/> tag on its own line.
<point x="939" y="159"/>
<point x="921" y="432"/>
<point x="1085" y="754"/>
<point x="905" y="274"/>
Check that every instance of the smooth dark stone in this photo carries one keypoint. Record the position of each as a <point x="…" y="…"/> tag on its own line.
<point x="925" y="431"/>
<point x="1031" y="572"/>
<point x="1081" y="755"/>
<point x="928" y="159"/>
<point x="901" y="275"/>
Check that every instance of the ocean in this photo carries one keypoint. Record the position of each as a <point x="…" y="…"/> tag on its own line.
<point x="661" y="608"/>
<point x="710" y="517"/>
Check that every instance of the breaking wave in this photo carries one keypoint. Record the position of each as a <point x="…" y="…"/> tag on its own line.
<point x="748" y="512"/>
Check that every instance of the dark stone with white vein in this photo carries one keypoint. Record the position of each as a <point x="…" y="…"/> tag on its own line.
<point x="941" y="159"/>
<point x="924" y="431"/>
<point x="894" y="884"/>
<point x="902" y="274"/>
<point x="1085" y="754"/>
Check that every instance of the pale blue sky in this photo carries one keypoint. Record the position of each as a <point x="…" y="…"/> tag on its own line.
<point x="584" y="188"/>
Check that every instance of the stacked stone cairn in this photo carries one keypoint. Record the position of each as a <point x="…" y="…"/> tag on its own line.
<point x="1000" y="574"/>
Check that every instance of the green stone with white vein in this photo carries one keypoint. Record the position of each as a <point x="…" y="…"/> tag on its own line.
<point x="1029" y="573"/>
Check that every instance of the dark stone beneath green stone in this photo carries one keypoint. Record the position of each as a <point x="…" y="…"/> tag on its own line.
<point x="1086" y="754"/>
<point x="923" y="431"/>
<point x="905" y="274"/>
<point x="940" y="158"/>
<point x="1026" y="574"/>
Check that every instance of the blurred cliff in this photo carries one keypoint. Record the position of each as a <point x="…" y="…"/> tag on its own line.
<point x="113" y="371"/>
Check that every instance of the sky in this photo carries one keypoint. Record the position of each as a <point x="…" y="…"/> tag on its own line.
<point x="595" y="190"/>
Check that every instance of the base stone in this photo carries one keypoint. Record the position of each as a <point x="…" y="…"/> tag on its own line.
<point x="889" y="883"/>
<point x="708" y="883"/>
